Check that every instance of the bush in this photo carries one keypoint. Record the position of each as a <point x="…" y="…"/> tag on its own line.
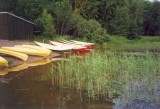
<point x="87" y="29"/>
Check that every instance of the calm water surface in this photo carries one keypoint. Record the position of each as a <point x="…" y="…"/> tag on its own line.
<point x="33" y="89"/>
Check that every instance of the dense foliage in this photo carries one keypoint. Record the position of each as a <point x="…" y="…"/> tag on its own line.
<point x="92" y="19"/>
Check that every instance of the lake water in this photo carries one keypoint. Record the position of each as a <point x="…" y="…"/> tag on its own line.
<point x="35" y="88"/>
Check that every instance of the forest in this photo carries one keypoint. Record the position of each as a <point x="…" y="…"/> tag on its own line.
<point x="90" y="19"/>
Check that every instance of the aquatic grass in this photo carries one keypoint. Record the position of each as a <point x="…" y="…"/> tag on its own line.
<point x="113" y="75"/>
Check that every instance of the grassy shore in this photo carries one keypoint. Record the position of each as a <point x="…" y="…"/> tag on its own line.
<point x="111" y="75"/>
<point x="119" y="43"/>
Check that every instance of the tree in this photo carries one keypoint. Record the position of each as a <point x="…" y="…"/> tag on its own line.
<point x="151" y="25"/>
<point x="29" y="9"/>
<point x="45" y="21"/>
<point x="7" y="5"/>
<point x="62" y="10"/>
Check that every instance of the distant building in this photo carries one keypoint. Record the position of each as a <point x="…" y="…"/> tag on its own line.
<point x="13" y="27"/>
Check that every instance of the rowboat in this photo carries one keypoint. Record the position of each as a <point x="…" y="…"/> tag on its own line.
<point x="27" y="51"/>
<point x="54" y="48"/>
<point x="3" y="62"/>
<point x="47" y="51"/>
<point x="18" y="55"/>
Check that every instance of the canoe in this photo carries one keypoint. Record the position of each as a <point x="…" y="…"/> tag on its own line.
<point x="75" y="48"/>
<point x="86" y="44"/>
<point x="18" y="68"/>
<point x="27" y="51"/>
<point x="57" y="43"/>
<point x="54" y="48"/>
<point x="4" y="71"/>
<point x="82" y="43"/>
<point x="3" y="62"/>
<point x="47" y="51"/>
<point x="39" y="62"/>
<point x="18" y="55"/>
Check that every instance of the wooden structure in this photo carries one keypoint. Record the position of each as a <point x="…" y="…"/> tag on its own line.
<point x="13" y="27"/>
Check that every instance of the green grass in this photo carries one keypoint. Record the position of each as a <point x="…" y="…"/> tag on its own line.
<point x="119" y="43"/>
<point x="111" y="75"/>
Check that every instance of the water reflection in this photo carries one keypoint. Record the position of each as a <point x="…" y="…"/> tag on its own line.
<point x="25" y="66"/>
<point x="33" y="89"/>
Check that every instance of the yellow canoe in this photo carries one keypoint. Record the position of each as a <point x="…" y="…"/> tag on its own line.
<point x="3" y="62"/>
<point x="47" y="51"/>
<point x="18" y="55"/>
<point x="18" y="68"/>
<point x="39" y="62"/>
<point x="4" y="71"/>
<point x="26" y="51"/>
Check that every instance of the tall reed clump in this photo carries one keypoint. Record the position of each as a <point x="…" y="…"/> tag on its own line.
<point x="117" y="76"/>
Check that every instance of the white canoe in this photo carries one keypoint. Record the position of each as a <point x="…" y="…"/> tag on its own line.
<point x="18" y="55"/>
<point x="72" y="46"/>
<point x="82" y="43"/>
<point x="79" y="43"/>
<point x="54" y="48"/>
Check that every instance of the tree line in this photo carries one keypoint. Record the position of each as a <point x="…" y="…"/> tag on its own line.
<point x="92" y="19"/>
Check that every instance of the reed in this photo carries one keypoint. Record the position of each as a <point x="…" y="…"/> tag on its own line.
<point x="113" y="75"/>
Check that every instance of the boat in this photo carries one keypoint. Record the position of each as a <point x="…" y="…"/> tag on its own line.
<point x="39" y="62"/>
<point x="18" y="55"/>
<point x="80" y="43"/>
<point x="18" y="68"/>
<point x="27" y="51"/>
<point x="3" y="62"/>
<point x="54" y="48"/>
<point x="74" y="47"/>
<point x="47" y="51"/>
<point x="4" y="71"/>
<point x="86" y="44"/>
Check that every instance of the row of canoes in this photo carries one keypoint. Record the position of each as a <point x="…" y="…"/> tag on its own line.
<point x="65" y="45"/>
<point x="44" y="49"/>
<point x="21" y="52"/>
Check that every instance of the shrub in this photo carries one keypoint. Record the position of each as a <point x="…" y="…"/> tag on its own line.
<point x="87" y="29"/>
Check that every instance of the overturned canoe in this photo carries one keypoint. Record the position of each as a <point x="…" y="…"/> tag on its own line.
<point x="4" y="71"/>
<point x="39" y="62"/>
<point x="19" y="67"/>
<point x="26" y="51"/>
<point x="54" y="48"/>
<point x="18" y="55"/>
<point x="47" y="51"/>
<point x="3" y="62"/>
